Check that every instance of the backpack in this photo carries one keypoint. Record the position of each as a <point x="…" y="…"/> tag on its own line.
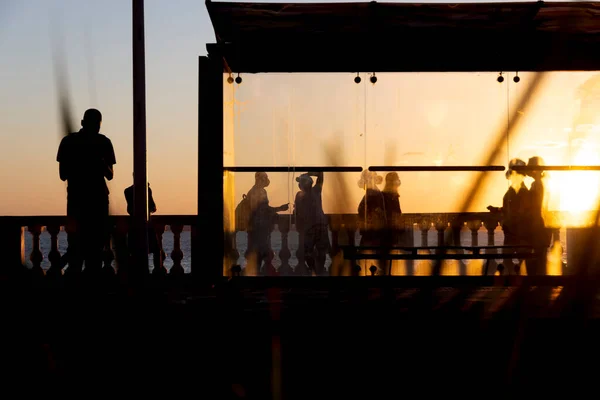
<point x="242" y="214"/>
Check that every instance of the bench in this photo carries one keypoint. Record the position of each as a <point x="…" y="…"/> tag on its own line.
<point x="355" y="253"/>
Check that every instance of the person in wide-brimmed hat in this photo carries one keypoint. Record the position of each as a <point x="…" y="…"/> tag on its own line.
<point x="540" y="235"/>
<point x="515" y="211"/>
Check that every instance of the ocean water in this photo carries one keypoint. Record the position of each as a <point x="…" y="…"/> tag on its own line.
<point x="241" y="239"/>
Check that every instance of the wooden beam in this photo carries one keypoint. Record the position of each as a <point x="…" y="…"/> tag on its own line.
<point x="208" y="240"/>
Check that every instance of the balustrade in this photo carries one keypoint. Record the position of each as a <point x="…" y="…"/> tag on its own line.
<point x="23" y="243"/>
<point x="286" y="259"/>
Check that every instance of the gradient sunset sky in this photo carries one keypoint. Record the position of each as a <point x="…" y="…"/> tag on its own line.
<point x="407" y="119"/>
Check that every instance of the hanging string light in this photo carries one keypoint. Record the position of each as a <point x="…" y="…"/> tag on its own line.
<point x="373" y="78"/>
<point x="238" y="79"/>
<point x="500" y="78"/>
<point x="516" y="78"/>
<point x="230" y="79"/>
<point x="357" y="78"/>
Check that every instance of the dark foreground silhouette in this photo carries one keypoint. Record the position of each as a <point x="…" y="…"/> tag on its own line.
<point x="347" y="340"/>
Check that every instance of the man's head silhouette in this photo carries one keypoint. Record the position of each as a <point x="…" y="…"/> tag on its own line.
<point x="261" y="179"/>
<point x="92" y="119"/>
<point x="305" y="182"/>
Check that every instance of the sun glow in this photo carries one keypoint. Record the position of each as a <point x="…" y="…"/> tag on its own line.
<point x="578" y="190"/>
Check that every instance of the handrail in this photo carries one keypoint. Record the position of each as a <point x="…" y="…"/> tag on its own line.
<point x="436" y="168"/>
<point x="294" y="168"/>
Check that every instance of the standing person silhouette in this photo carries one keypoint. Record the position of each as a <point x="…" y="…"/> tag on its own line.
<point x="154" y="237"/>
<point x="516" y="214"/>
<point x="393" y="233"/>
<point x="261" y="222"/>
<point x="311" y="222"/>
<point x="540" y="235"/>
<point x="86" y="160"/>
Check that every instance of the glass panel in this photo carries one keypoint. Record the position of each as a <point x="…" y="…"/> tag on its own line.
<point x="290" y="121"/>
<point x="439" y="119"/>
<point x="561" y="124"/>
<point x="301" y="120"/>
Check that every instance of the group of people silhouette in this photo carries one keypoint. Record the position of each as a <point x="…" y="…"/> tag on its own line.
<point x="86" y="161"/>
<point x="379" y="211"/>
<point x="523" y="215"/>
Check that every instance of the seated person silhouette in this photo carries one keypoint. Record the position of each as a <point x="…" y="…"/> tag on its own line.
<point x="154" y="237"/>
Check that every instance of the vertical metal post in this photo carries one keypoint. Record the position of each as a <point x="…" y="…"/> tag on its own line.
<point x="140" y="179"/>
<point x="208" y="243"/>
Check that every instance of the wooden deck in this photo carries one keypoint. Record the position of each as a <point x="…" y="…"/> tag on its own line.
<point x="372" y="337"/>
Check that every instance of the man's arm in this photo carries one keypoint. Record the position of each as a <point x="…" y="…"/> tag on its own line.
<point x="151" y="203"/>
<point x="109" y="160"/>
<point x="61" y="157"/>
<point x="319" y="176"/>
<point x="63" y="171"/>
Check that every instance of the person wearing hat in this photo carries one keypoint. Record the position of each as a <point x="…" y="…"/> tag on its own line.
<point x="261" y="220"/>
<point x="540" y="235"/>
<point x="311" y="222"/>
<point x="515" y="211"/>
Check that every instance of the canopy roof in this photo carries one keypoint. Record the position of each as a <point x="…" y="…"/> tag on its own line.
<point x="389" y="37"/>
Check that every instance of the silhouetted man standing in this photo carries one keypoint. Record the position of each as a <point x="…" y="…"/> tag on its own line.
<point x="85" y="159"/>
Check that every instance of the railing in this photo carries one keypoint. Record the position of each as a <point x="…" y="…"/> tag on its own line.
<point x="39" y="242"/>
<point x="421" y="230"/>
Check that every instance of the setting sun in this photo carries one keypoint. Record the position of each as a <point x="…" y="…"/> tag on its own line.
<point x="578" y="190"/>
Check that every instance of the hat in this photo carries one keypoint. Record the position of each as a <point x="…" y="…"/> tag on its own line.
<point x="535" y="162"/>
<point x="260" y="175"/>
<point x="368" y="178"/>
<point x="305" y="178"/>
<point x="392" y="177"/>
<point x="515" y="162"/>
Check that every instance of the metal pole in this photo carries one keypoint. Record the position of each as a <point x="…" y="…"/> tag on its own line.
<point x="140" y="179"/>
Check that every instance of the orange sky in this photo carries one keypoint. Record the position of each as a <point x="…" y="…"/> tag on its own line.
<point x="411" y="119"/>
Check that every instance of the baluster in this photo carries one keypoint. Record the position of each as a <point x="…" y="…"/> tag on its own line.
<point x="176" y="254"/>
<point x="440" y="227"/>
<point x="54" y="254"/>
<point x="269" y="268"/>
<point x="159" y="259"/>
<point x="425" y="233"/>
<point x="36" y="256"/>
<point x="301" y="268"/>
<point x="474" y="228"/>
<point x="456" y="226"/>
<point x="285" y="254"/>
<point x="491" y="264"/>
<point x="12" y="246"/>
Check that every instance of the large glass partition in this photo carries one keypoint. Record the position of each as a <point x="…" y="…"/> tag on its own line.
<point x="416" y="122"/>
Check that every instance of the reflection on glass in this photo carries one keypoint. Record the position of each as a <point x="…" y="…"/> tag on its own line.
<point x="412" y="119"/>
